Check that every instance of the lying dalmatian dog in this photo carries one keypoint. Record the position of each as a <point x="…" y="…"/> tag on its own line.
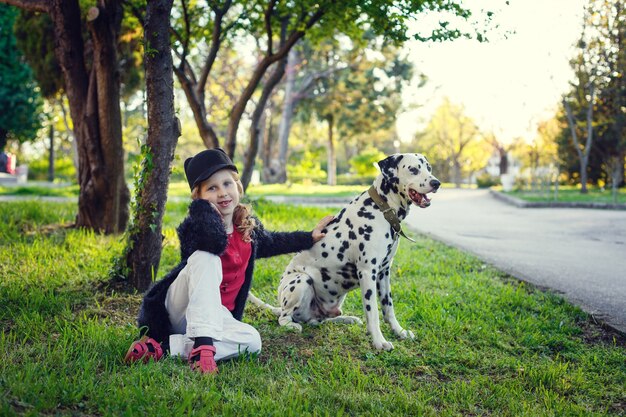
<point x="357" y="251"/>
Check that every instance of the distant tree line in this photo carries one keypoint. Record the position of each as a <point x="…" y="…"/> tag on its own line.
<point x="592" y="143"/>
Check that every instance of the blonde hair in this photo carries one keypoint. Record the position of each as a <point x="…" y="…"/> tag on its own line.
<point x="242" y="215"/>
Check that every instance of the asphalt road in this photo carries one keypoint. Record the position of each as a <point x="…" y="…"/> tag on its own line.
<point x="579" y="253"/>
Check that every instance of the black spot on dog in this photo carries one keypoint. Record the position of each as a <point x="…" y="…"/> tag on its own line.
<point x="348" y="285"/>
<point x="333" y="293"/>
<point x="349" y="224"/>
<point x="414" y="170"/>
<point x="373" y="261"/>
<point x="338" y="235"/>
<point x="368" y="294"/>
<point x="365" y="213"/>
<point x="292" y="288"/>
<point x="309" y="281"/>
<point x="368" y="307"/>
<point x="325" y="275"/>
<point x="352" y="235"/>
<point x="325" y="254"/>
<point x="361" y="246"/>
<point x="324" y="244"/>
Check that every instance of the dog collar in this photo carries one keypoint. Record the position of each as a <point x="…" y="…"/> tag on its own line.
<point x="388" y="212"/>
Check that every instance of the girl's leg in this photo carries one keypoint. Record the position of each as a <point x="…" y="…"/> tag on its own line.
<point x="195" y="308"/>
<point x="237" y="338"/>
<point x="193" y="300"/>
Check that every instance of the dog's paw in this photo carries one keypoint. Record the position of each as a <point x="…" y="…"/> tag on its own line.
<point x="275" y="311"/>
<point x="406" y="334"/>
<point x="352" y="320"/>
<point x="296" y="327"/>
<point x="345" y="320"/>
<point x="384" y="345"/>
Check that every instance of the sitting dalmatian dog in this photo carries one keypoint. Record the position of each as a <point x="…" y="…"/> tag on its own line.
<point x="357" y="251"/>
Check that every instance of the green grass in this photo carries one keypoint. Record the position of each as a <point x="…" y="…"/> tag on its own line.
<point x="485" y="344"/>
<point x="571" y="194"/>
<point x="38" y="190"/>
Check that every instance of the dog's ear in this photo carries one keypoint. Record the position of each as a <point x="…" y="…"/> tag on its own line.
<point x="389" y="165"/>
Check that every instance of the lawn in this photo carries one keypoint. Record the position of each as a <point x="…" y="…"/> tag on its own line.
<point x="571" y="194"/>
<point x="485" y="343"/>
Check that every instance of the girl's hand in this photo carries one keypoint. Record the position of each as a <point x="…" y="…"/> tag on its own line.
<point x="216" y="209"/>
<point x="317" y="232"/>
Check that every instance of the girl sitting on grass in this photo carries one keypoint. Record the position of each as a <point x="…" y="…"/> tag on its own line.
<point x="204" y="296"/>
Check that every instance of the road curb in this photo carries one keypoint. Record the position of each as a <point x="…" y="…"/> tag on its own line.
<point x="519" y="203"/>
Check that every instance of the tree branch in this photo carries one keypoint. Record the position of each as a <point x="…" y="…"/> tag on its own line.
<point x="30" y="5"/>
<point x="572" y="126"/>
<point x="216" y="41"/>
<point x="268" y="26"/>
<point x="589" y="121"/>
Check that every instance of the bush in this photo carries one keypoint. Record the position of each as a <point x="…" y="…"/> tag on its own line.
<point x="364" y="164"/>
<point x="349" y="179"/>
<point x="305" y="166"/>
<point x="64" y="170"/>
<point x="485" y="180"/>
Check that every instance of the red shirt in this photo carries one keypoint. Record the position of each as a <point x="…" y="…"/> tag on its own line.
<point x="234" y="263"/>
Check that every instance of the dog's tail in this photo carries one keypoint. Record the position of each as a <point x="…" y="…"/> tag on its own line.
<point x="263" y="305"/>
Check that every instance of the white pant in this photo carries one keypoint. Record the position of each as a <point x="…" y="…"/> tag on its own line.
<point x="194" y="305"/>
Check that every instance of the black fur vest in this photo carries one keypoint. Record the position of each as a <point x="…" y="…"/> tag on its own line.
<point x="204" y="230"/>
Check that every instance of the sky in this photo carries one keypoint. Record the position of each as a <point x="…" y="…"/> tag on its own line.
<point x="507" y="85"/>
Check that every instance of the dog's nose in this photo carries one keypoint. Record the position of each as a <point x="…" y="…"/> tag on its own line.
<point x="435" y="184"/>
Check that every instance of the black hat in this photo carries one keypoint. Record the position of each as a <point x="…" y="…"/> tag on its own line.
<point x="205" y="164"/>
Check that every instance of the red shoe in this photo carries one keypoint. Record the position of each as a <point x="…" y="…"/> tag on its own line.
<point x="144" y="349"/>
<point x="202" y="359"/>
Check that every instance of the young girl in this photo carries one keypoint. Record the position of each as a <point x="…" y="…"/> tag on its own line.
<point x="204" y="296"/>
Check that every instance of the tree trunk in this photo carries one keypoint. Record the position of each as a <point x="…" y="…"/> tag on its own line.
<point x="255" y="133"/>
<point x="504" y="162"/>
<point x="163" y="131"/>
<point x="239" y="107"/>
<point x="95" y="110"/>
<point x="195" y="98"/>
<point x="456" y="167"/>
<point x="267" y="152"/>
<point x="284" y="126"/>
<point x="51" y="155"/>
<point x="331" y="178"/>
<point x="583" y="157"/>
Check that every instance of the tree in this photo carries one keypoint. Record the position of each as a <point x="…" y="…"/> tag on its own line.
<point x="20" y="102"/>
<point x="607" y="47"/>
<point x="91" y="78"/>
<point x="280" y="26"/>
<point x="144" y="240"/>
<point x="302" y="76"/>
<point x="360" y="92"/>
<point x="583" y="95"/>
<point x="447" y="141"/>
<point x="595" y="107"/>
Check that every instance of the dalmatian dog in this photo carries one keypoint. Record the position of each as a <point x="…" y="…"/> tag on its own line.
<point x="357" y="251"/>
